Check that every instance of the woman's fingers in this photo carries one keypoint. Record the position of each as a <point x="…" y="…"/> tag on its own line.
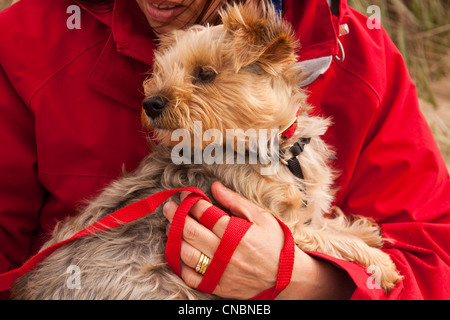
<point x="253" y="267"/>
<point x="236" y="204"/>
<point x="194" y="233"/>
<point x="190" y="276"/>
<point x="189" y="255"/>
<point x="200" y="207"/>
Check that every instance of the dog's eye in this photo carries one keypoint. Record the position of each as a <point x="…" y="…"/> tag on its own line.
<point x="204" y="75"/>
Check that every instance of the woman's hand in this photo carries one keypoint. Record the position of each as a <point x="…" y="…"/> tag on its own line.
<point x="254" y="264"/>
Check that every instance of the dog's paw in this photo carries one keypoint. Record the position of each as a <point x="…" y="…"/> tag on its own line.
<point x="384" y="273"/>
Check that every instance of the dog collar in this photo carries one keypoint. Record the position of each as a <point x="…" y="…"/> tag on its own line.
<point x="294" y="163"/>
<point x="296" y="149"/>
<point x="288" y="131"/>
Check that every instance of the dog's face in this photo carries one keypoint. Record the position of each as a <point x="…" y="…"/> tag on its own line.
<point x="238" y="75"/>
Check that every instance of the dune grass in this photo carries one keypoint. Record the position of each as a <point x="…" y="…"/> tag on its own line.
<point x="421" y="31"/>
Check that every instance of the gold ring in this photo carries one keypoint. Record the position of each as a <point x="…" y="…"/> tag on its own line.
<point x="202" y="264"/>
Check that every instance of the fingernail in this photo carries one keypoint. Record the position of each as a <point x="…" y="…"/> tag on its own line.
<point x="221" y="187"/>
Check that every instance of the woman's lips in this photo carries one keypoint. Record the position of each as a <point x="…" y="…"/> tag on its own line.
<point x="163" y="11"/>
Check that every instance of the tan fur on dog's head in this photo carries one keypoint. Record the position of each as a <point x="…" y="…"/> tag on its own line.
<point x="237" y="75"/>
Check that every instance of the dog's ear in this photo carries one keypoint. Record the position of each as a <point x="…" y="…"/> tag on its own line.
<point x="259" y="35"/>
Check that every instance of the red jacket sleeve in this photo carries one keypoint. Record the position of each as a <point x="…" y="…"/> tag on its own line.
<point x="391" y="167"/>
<point x="21" y="194"/>
<point x="401" y="179"/>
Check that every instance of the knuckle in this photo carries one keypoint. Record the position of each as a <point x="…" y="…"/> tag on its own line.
<point x="199" y="207"/>
<point x="191" y="280"/>
<point x="190" y="257"/>
<point x="191" y="232"/>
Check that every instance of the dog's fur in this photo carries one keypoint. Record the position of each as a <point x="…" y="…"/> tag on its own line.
<point x="256" y="87"/>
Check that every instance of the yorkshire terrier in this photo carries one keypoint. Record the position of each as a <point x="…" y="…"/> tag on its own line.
<point x="241" y="77"/>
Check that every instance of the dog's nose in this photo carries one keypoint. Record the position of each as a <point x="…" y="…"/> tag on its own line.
<point x="154" y="106"/>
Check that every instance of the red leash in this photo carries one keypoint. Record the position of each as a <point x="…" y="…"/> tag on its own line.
<point x="234" y="232"/>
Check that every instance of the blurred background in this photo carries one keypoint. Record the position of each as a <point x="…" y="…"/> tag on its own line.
<point x="421" y="31"/>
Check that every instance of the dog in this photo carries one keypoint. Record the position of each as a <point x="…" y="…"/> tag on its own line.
<point x="240" y="75"/>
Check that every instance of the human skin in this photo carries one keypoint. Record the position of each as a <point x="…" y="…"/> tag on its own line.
<point x="165" y="16"/>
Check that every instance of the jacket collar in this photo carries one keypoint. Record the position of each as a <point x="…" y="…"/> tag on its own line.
<point x="312" y="20"/>
<point x="130" y="29"/>
<point x="132" y="36"/>
<point x="315" y="26"/>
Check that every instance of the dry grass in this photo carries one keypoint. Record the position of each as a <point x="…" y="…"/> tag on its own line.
<point x="421" y="31"/>
<point x="4" y="4"/>
<point x="439" y="118"/>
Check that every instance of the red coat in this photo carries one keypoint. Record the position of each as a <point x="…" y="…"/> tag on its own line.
<point x="70" y="119"/>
